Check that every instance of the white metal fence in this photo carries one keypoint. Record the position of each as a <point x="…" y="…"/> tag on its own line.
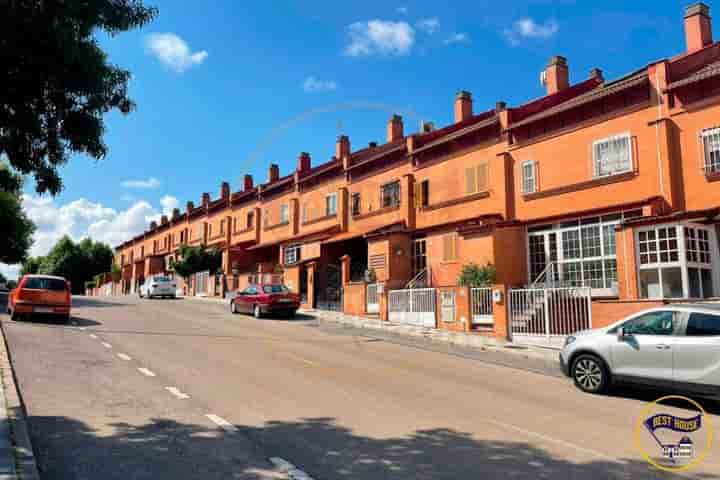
<point x="201" y="284"/>
<point x="481" y="305"/>
<point x="546" y="316"/>
<point x="447" y="306"/>
<point x="412" y="307"/>
<point x="372" y="298"/>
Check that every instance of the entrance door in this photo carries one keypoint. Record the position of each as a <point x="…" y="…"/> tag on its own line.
<point x="543" y="250"/>
<point x="329" y="295"/>
<point x="419" y="258"/>
<point x="646" y="351"/>
<point x="303" y="284"/>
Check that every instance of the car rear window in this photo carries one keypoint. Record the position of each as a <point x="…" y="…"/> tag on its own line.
<point x="702" y="324"/>
<point x="45" y="283"/>
<point x="274" y="289"/>
<point x="162" y="279"/>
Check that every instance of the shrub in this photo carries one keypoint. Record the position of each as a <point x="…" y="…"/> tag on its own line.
<point x="474" y="275"/>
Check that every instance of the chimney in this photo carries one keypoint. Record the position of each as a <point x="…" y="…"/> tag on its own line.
<point x="153" y="225"/>
<point x="303" y="162"/>
<point x="463" y="106"/>
<point x="372" y="145"/>
<point x="698" y="27"/>
<point x="189" y="206"/>
<point x="247" y="183"/>
<point x="175" y="213"/>
<point x="556" y="77"/>
<point x="225" y="190"/>
<point x="205" y="199"/>
<point x="273" y="173"/>
<point x="395" y="128"/>
<point x="163" y="220"/>
<point x="342" y="147"/>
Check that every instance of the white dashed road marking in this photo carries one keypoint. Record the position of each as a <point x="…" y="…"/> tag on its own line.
<point x="146" y="372"/>
<point x="122" y="356"/>
<point x="106" y="345"/>
<point x="174" y="391"/>
<point x="289" y="469"/>
<point x="92" y="335"/>
<point x="222" y="423"/>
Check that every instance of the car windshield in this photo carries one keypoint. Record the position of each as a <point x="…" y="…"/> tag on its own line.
<point x="275" y="289"/>
<point x="40" y="283"/>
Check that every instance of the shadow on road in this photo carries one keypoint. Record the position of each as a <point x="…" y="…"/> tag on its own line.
<point x="82" y="301"/>
<point x="165" y="449"/>
<point x="711" y="405"/>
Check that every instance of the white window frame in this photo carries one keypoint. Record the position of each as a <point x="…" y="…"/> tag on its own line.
<point x="683" y="263"/>
<point x="291" y="254"/>
<point x="331" y="200"/>
<point x="529" y="184"/>
<point x="631" y="161"/>
<point x="284" y="213"/>
<point x="709" y="165"/>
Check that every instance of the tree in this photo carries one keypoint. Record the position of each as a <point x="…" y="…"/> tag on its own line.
<point x="197" y="259"/>
<point x="473" y="275"/>
<point x="31" y="265"/>
<point x="57" y="82"/>
<point x="2" y="278"/>
<point x="17" y="229"/>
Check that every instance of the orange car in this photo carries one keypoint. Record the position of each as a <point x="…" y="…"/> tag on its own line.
<point x="40" y="294"/>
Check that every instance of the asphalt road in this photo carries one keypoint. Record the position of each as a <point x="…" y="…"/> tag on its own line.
<point x="183" y="389"/>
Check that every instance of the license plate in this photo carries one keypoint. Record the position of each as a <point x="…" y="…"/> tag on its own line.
<point x="285" y="300"/>
<point x="42" y="310"/>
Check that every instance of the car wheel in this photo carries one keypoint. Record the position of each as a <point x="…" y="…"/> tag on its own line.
<point x="589" y="374"/>
<point x="14" y="316"/>
<point x="233" y="307"/>
<point x="291" y="313"/>
<point x="256" y="311"/>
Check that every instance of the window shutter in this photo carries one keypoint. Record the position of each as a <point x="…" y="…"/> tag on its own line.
<point x="425" y="192"/>
<point x="482" y="177"/>
<point x="470" y="184"/>
<point x="449" y="247"/>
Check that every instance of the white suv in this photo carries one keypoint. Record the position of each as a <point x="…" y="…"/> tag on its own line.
<point x="675" y="347"/>
<point x="158" y="286"/>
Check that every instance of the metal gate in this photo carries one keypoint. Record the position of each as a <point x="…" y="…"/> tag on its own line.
<point x="201" y="284"/>
<point x="545" y="316"/>
<point x="481" y="305"/>
<point x="415" y="306"/>
<point x="372" y="298"/>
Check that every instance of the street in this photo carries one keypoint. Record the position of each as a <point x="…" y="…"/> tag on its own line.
<point x="168" y="389"/>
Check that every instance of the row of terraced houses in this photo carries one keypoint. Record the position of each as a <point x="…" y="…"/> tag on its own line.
<point x="609" y="185"/>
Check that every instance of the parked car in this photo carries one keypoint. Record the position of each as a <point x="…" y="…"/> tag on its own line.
<point x="158" y="286"/>
<point x="40" y="294"/>
<point x="3" y="287"/>
<point x="265" y="298"/>
<point x="674" y="347"/>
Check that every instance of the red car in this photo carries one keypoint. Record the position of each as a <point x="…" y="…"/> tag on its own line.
<point x="265" y="298"/>
<point x="40" y="294"/>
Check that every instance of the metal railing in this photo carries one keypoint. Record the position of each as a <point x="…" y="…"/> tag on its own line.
<point x="548" y="313"/>
<point x="420" y="280"/>
<point x="372" y="298"/>
<point x="415" y="306"/>
<point x="481" y="305"/>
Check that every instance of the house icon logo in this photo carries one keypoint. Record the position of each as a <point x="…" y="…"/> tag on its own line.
<point x="673" y="441"/>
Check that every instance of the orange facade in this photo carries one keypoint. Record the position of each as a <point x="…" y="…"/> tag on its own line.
<point x="578" y="183"/>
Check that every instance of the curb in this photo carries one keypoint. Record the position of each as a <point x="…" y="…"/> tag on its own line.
<point x="25" y="461"/>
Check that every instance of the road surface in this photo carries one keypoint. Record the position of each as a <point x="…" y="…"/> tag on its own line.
<point x="166" y="389"/>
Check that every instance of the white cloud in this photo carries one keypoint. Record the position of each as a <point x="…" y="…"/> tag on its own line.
<point x="312" y="84"/>
<point x="173" y="51"/>
<point x="11" y="272"/>
<point x="527" y="28"/>
<point x="83" y="218"/>
<point x="457" y="38"/>
<point x="429" y="25"/>
<point x="380" y="37"/>
<point x="151" y="182"/>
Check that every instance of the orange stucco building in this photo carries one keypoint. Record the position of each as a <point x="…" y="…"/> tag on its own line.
<point x="609" y="184"/>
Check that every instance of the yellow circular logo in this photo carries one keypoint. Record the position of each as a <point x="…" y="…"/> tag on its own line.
<point x="673" y="442"/>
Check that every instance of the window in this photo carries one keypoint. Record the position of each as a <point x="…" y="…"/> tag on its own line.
<point x="529" y="180"/>
<point x="209" y="230"/>
<point x="422" y="194"/>
<point x="250" y="222"/>
<point x="284" y="214"/>
<point x="266" y="218"/>
<point x="653" y="323"/>
<point x="44" y="283"/>
<point x="612" y="155"/>
<point x="476" y="179"/>
<point x="449" y="247"/>
<point x="355" y="202"/>
<point x="305" y="212"/>
<point x="674" y="261"/>
<point x="711" y="148"/>
<point x="291" y="254"/>
<point x="275" y="289"/>
<point x="703" y="325"/>
<point x="390" y="194"/>
<point x="331" y="204"/>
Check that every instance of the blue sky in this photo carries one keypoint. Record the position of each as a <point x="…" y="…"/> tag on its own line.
<point x="225" y="87"/>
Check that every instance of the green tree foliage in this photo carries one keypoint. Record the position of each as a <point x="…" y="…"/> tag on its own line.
<point x="17" y="229"/>
<point x="11" y="284"/>
<point x="2" y="278"/>
<point x="77" y="262"/>
<point x="474" y="275"/>
<point x="57" y="82"/>
<point x="197" y="259"/>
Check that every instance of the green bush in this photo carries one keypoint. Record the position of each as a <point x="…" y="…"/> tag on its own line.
<point x="474" y="275"/>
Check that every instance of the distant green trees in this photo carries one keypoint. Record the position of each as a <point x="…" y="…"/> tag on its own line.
<point x="77" y="262"/>
<point x="197" y="259"/>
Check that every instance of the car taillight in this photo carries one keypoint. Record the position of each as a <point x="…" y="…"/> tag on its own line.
<point x="67" y="292"/>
